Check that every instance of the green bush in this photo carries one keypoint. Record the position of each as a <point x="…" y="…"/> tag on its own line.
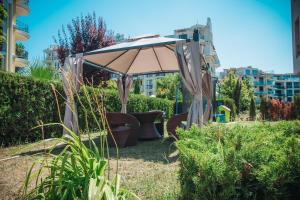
<point x="25" y="100"/>
<point x="136" y="103"/>
<point x="258" y="161"/>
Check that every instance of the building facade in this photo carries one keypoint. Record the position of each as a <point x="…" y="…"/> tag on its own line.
<point x="205" y="37"/>
<point x="296" y="34"/>
<point x="51" y="56"/>
<point x="15" y="32"/>
<point x="274" y="86"/>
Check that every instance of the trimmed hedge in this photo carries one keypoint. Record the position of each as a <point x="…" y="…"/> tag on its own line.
<point x="24" y="101"/>
<point x="260" y="161"/>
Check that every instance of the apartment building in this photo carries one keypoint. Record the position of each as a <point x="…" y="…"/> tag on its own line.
<point x="296" y="34"/>
<point x="15" y="32"/>
<point x="51" y="56"/>
<point x="278" y="86"/>
<point x="205" y="37"/>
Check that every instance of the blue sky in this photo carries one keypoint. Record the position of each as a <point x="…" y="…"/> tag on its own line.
<point x="246" y="32"/>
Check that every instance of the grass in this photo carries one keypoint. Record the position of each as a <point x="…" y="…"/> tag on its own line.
<point x="148" y="169"/>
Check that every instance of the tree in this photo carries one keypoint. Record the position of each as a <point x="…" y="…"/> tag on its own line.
<point x="3" y="16"/>
<point x="252" y="112"/>
<point x="237" y="95"/>
<point x="297" y="106"/>
<point x="241" y="91"/>
<point x="85" y="33"/>
<point x="166" y="87"/>
<point x="137" y="89"/>
<point x="264" y="107"/>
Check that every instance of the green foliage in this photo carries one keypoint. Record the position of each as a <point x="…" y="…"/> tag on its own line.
<point x="254" y="161"/>
<point x="230" y="104"/>
<point x="252" y="112"/>
<point x="136" y="103"/>
<point x="24" y="101"/>
<point x="297" y="106"/>
<point x="166" y="87"/>
<point x="136" y="87"/>
<point x="78" y="172"/>
<point x="40" y="70"/>
<point x="241" y="91"/>
<point x="237" y="95"/>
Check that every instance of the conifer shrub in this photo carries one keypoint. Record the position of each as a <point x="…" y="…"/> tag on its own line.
<point x="258" y="161"/>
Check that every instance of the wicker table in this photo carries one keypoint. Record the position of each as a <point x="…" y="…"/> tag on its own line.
<point x="147" y="129"/>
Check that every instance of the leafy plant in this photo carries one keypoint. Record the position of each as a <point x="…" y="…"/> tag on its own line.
<point x="241" y="91"/>
<point x="252" y="112"/>
<point x="40" y="70"/>
<point x="25" y="100"/>
<point x="79" y="172"/>
<point x="166" y="87"/>
<point x="137" y="87"/>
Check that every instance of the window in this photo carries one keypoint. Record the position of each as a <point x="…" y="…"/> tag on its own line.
<point x="296" y="84"/>
<point x="297" y="37"/>
<point x="183" y="36"/>
<point x="261" y="89"/>
<point x="289" y="84"/>
<point x="247" y="72"/>
<point x="289" y="92"/>
<point x="254" y="72"/>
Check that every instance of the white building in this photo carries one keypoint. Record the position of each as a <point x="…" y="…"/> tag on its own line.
<point x="211" y="57"/>
<point x="51" y="56"/>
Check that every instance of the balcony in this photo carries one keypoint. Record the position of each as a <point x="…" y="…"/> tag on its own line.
<point x="22" y="7"/>
<point x="22" y="31"/>
<point x="21" y="58"/>
<point x="280" y="87"/>
<point x="260" y="93"/>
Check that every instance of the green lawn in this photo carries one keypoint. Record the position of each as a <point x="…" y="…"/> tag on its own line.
<point x="148" y="169"/>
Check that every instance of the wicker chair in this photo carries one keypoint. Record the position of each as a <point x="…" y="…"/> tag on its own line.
<point x="175" y="122"/>
<point x="159" y="123"/>
<point x="124" y="129"/>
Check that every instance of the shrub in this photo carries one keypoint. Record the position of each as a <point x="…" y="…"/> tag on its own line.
<point x="252" y="111"/>
<point x="277" y="110"/>
<point x="230" y="104"/>
<point x="24" y="101"/>
<point x="258" y="161"/>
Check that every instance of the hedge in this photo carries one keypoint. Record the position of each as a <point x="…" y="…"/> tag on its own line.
<point x="260" y="161"/>
<point x="25" y="101"/>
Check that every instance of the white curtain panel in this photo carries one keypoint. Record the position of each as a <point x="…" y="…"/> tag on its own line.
<point x="124" y="84"/>
<point x="189" y="57"/>
<point x="207" y="92"/>
<point x="72" y="79"/>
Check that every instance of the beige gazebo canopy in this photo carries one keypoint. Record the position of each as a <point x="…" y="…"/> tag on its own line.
<point x="139" y="55"/>
<point x="150" y="54"/>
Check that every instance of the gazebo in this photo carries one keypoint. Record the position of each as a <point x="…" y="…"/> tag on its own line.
<point x="144" y="55"/>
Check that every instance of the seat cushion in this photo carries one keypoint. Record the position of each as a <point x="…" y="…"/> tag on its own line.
<point x="120" y="129"/>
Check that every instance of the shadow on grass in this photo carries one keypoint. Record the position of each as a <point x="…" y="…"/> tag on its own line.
<point x="163" y="151"/>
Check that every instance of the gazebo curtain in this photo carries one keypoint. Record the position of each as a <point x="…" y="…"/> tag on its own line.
<point x="189" y="57"/>
<point x="72" y="79"/>
<point x="124" y="84"/>
<point x="207" y="92"/>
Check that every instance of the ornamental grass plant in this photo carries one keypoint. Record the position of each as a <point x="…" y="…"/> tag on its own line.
<point x="82" y="169"/>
